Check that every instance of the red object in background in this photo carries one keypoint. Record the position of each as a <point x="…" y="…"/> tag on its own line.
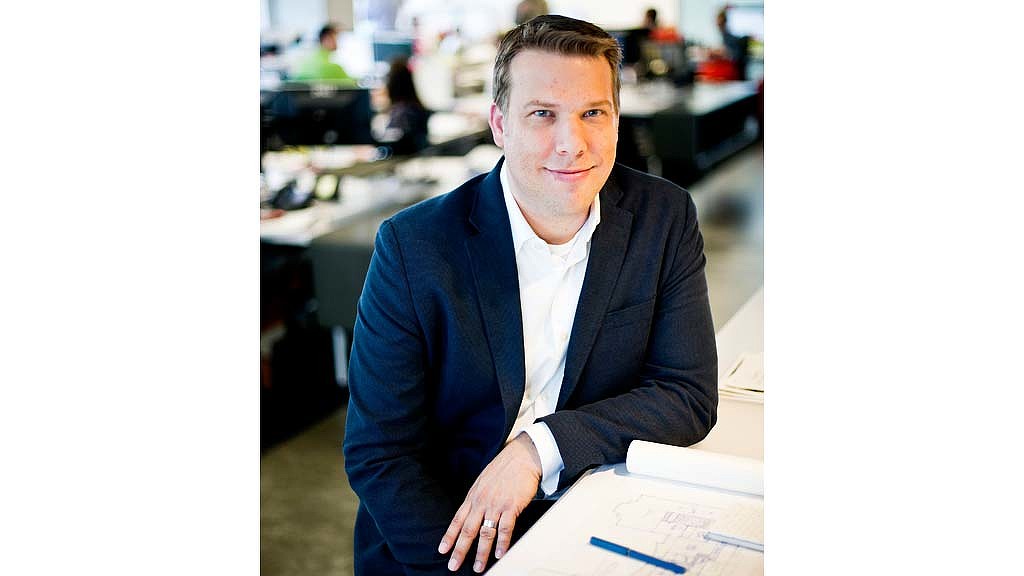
<point x="716" y="70"/>
<point x="665" y="35"/>
<point x="269" y="213"/>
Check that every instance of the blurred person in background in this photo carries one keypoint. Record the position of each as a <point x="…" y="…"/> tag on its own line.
<point x="662" y="51"/>
<point x="734" y="48"/>
<point x="317" y="66"/>
<point x="656" y="32"/>
<point x="651" y="19"/>
<point x="407" y="118"/>
<point x="530" y="9"/>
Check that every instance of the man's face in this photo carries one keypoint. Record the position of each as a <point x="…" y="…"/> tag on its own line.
<point x="330" y="42"/>
<point x="558" y="133"/>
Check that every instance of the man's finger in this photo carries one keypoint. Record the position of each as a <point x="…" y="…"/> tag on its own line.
<point x="508" y="522"/>
<point x="488" y="531"/>
<point x="466" y="536"/>
<point x="453" y="529"/>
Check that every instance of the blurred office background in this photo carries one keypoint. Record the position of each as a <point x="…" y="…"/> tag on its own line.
<point x="339" y="155"/>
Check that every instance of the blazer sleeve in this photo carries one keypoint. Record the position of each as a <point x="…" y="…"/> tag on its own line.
<point x="675" y="398"/>
<point x="385" y="434"/>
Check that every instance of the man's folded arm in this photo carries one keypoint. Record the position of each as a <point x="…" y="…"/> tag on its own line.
<point x="385" y="436"/>
<point x="675" y="399"/>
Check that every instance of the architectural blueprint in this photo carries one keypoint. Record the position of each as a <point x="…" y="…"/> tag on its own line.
<point x="663" y="518"/>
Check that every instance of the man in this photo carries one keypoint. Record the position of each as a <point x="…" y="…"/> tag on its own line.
<point x="526" y="326"/>
<point x="656" y="32"/>
<point x="651" y="20"/>
<point x="318" y="66"/>
<point x="530" y="9"/>
<point x="734" y="47"/>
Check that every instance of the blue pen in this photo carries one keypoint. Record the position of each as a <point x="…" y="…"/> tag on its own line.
<point x="676" y="568"/>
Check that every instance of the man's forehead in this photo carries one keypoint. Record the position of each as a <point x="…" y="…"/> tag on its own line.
<point x="526" y="72"/>
<point x="532" y="53"/>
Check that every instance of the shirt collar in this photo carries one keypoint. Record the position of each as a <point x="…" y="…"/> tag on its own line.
<point x="521" y="230"/>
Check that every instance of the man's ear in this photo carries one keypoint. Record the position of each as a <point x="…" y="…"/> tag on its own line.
<point x="497" y="122"/>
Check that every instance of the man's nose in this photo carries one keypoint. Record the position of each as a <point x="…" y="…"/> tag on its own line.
<point x="571" y="138"/>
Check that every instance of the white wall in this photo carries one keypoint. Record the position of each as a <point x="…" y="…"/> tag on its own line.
<point x="305" y="16"/>
<point x="499" y="15"/>
<point x="340" y="12"/>
<point x="699" y="21"/>
<point x="694" y="18"/>
<point x="616" y="14"/>
<point x="698" y="17"/>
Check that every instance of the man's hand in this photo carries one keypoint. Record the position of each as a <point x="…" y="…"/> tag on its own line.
<point x="498" y="496"/>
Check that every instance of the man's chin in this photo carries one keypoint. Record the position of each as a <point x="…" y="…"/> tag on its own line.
<point x="588" y="186"/>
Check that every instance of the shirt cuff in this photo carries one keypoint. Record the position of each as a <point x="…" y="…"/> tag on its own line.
<point x="550" y="458"/>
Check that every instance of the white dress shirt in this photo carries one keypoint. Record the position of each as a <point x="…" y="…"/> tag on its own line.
<point x="550" y="282"/>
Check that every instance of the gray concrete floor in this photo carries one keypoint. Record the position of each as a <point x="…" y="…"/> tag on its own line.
<point x="307" y="508"/>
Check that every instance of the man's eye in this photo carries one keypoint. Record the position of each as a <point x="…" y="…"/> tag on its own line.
<point x="542" y="113"/>
<point x="593" y="113"/>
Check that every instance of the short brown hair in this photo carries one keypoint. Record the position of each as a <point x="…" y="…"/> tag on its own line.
<point x="560" y="35"/>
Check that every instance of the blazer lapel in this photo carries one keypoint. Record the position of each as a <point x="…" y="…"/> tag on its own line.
<point x="493" y="261"/>
<point x="607" y="250"/>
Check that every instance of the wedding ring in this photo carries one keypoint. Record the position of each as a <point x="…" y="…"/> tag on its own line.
<point x="490" y="524"/>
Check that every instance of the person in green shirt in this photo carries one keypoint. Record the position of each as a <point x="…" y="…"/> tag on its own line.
<point x="318" y="66"/>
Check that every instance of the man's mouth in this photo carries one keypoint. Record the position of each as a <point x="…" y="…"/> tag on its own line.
<point x="570" y="174"/>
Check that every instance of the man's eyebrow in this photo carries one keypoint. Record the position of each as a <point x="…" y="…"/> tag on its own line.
<point x="545" y="104"/>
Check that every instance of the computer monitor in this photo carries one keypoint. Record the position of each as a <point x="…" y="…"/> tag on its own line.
<point x="631" y="43"/>
<point x="319" y="114"/>
<point x="388" y="50"/>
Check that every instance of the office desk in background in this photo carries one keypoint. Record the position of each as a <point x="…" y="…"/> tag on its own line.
<point x="679" y="133"/>
<point x="366" y="189"/>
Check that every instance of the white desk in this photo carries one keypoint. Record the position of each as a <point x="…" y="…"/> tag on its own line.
<point x="447" y="126"/>
<point x="408" y="181"/>
<point x="740" y="428"/>
<point x="299" y="227"/>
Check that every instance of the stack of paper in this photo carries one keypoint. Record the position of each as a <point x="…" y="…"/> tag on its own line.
<point x="745" y="380"/>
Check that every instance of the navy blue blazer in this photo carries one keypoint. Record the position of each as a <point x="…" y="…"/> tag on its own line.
<point x="437" y="370"/>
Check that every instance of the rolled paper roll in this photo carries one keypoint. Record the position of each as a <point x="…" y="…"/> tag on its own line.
<point x="696" y="467"/>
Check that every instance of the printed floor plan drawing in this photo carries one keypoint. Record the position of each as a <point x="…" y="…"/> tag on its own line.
<point x="661" y="518"/>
